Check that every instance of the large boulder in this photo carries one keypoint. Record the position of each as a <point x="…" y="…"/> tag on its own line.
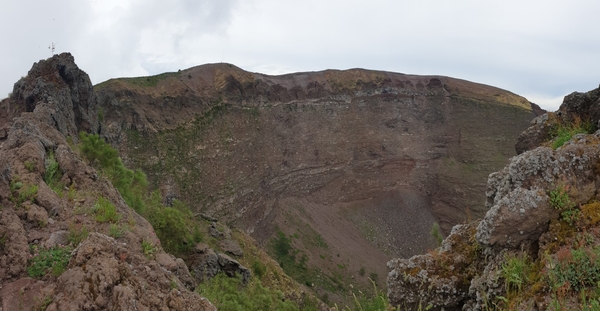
<point x="205" y="264"/>
<point x="517" y="195"/>
<point x="438" y="280"/>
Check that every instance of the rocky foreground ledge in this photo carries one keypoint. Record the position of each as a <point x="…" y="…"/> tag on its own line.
<point x="537" y="247"/>
<point x="50" y="106"/>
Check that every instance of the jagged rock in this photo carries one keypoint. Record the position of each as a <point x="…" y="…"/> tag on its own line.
<point x="167" y="261"/>
<point x="219" y="231"/>
<point x="99" y="276"/>
<point x="47" y="198"/>
<point x="437" y="280"/>
<point x="520" y="221"/>
<point x="201" y="248"/>
<point x="60" y="237"/>
<point x="37" y="215"/>
<point x="519" y="209"/>
<point x="14" y="251"/>
<point x="68" y="91"/>
<point x="586" y="106"/>
<point x="232" y="267"/>
<point x="582" y="106"/>
<point x="102" y="273"/>
<point x="24" y="294"/>
<point x="178" y="267"/>
<point x="232" y="247"/>
<point x="537" y="133"/>
<point x="208" y="217"/>
<point x="204" y="265"/>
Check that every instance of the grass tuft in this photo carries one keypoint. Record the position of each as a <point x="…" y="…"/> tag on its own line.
<point x="105" y="211"/>
<point x="563" y="132"/>
<point x="46" y="261"/>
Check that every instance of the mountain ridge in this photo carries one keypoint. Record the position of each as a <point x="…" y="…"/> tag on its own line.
<point x="361" y="149"/>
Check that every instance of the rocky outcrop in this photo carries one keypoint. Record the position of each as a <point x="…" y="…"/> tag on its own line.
<point x="70" y="101"/>
<point x="205" y="264"/>
<point x="535" y="206"/>
<point x="88" y="270"/>
<point x="438" y="280"/>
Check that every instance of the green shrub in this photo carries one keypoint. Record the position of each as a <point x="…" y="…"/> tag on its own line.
<point x="175" y="226"/>
<point x="77" y="233"/>
<point x="579" y="268"/>
<point x="230" y="294"/>
<point x="564" y="132"/>
<point x="53" y="175"/>
<point x="105" y="211"/>
<point x="100" y="114"/>
<point x="132" y="185"/>
<point x="285" y="254"/>
<point x="115" y="231"/>
<point x="43" y="303"/>
<point x="559" y="200"/>
<point x="22" y="192"/>
<point x="148" y="248"/>
<point x="259" y="268"/>
<point x="45" y="261"/>
<point x="377" y="302"/>
<point x="515" y="271"/>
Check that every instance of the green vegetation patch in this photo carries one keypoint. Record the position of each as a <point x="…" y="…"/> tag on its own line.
<point x="149" y="248"/>
<point x="175" y="225"/>
<point x="563" y="132"/>
<point x="77" y="233"/>
<point x="131" y="184"/>
<point x="515" y="271"/>
<point x="377" y="302"/>
<point x="286" y="255"/>
<point x="560" y="200"/>
<point x="105" y="211"/>
<point x="576" y="269"/>
<point x="229" y="294"/>
<point x="46" y="261"/>
<point x="22" y="192"/>
<point x="53" y="174"/>
<point x="436" y="233"/>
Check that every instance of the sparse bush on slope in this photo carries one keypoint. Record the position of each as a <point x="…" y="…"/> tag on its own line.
<point x="174" y="226"/>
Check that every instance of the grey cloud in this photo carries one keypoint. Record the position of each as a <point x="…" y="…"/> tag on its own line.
<point x="541" y="49"/>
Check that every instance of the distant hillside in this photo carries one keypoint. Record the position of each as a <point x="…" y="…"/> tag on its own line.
<point x="350" y="168"/>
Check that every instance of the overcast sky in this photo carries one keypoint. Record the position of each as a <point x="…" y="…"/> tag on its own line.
<point x="542" y="50"/>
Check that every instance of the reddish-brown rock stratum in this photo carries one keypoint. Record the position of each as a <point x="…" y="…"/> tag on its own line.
<point x="364" y="160"/>
<point x="103" y="273"/>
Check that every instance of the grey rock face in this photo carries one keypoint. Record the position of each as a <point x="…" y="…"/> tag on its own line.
<point x="532" y="137"/>
<point x="231" y="267"/>
<point x="60" y="237"/>
<point x="439" y="281"/>
<point x="519" y="209"/>
<point x="65" y="91"/>
<point x="206" y="263"/>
